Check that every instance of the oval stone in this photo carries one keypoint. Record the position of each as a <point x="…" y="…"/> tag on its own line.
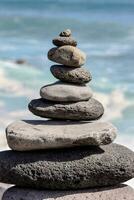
<point x="67" y="55"/>
<point x="84" y="110"/>
<point x="74" y="168"/>
<point x="61" y="41"/>
<point x="65" y="92"/>
<point x="71" y="75"/>
<point x="34" y="134"/>
<point x="65" y="33"/>
<point x="121" y="192"/>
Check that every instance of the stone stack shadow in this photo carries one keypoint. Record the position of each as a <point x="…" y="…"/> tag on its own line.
<point x="71" y="155"/>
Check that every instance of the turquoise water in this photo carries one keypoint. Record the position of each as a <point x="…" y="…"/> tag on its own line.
<point x="104" y="29"/>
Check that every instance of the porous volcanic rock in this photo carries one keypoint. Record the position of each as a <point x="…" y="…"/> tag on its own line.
<point x="73" y="168"/>
<point x="71" y="75"/>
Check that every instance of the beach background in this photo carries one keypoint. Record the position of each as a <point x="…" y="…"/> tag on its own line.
<point x="104" y="30"/>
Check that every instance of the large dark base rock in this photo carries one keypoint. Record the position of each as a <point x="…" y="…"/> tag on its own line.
<point x="68" y="168"/>
<point x="121" y="192"/>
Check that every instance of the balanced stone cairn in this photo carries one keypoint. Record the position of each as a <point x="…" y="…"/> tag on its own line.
<point x="73" y="149"/>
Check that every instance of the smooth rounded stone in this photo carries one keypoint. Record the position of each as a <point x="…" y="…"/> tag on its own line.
<point x="67" y="55"/>
<point x="72" y="75"/>
<point x="32" y="135"/>
<point x="84" y="110"/>
<point x="3" y="188"/>
<point x="73" y="168"/>
<point x="65" y="33"/>
<point x="121" y="192"/>
<point x="65" y="92"/>
<point x="61" y="41"/>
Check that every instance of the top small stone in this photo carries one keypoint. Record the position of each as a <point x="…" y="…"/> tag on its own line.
<point x="66" y="33"/>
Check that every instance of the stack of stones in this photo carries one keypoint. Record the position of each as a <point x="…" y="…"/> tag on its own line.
<point x="72" y="150"/>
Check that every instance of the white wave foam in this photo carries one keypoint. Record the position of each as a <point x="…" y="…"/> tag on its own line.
<point x="114" y="104"/>
<point x="8" y="117"/>
<point x="10" y="84"/>
<point x="8" y="64"/>
<point x="13" y="87"/>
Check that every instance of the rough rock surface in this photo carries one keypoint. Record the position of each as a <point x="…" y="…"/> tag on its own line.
<point x="79" y="167"/>
<point x="84" y="110"/>
<point x="34" y="134"/>
<point x="67" y="55"/>
<point x="61" y="41"/>
<point x="71" y="75"/>
<point x="65" y="33"/>
<point x="65" y="92"/>
<point x="121" y="192"/>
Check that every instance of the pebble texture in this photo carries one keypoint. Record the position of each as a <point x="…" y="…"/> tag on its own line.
<point x="71" y="75"/>
<point x="84" y="110"/>
<point x="32" y="135"/>
<point x="67" y="55"/>
<point x="122" y="192"/>
<point x="61" y="41"/>
<point x="68" y="168"/>
<point x="65" y="33"/>
<point x="65" y="92"/>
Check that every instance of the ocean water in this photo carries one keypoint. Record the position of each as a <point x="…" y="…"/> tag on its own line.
<point x="104" y="30"/>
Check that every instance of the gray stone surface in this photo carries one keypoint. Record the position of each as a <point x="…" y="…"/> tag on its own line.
<point x="3" y="188"/>
<point x="67" y="55"/>
<point x="65" y="33"/>
<point x="65" y="92"/>
<point x="73" y="168"/>
<point x="72" y="75"/>
<point x="34" y="134"/>
<point x="61" y="41"/>
<point x="84" y="110"/>
<point x="121" y="192"/>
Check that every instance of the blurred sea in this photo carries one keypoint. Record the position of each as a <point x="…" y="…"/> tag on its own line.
<point x="104" y="29"/>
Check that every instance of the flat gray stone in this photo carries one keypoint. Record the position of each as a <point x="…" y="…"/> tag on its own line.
<point x="67" y="55"/>
<point x="84" y="110"/>
<point x="65" y="33"/>
<point x="71" y="75"/>
<point x="65" y="92"/>
<point x="121" y="192"/>
<point x="32" y="135"/>
<point x="73" y="168"/>
<point x="61" y="41"/>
